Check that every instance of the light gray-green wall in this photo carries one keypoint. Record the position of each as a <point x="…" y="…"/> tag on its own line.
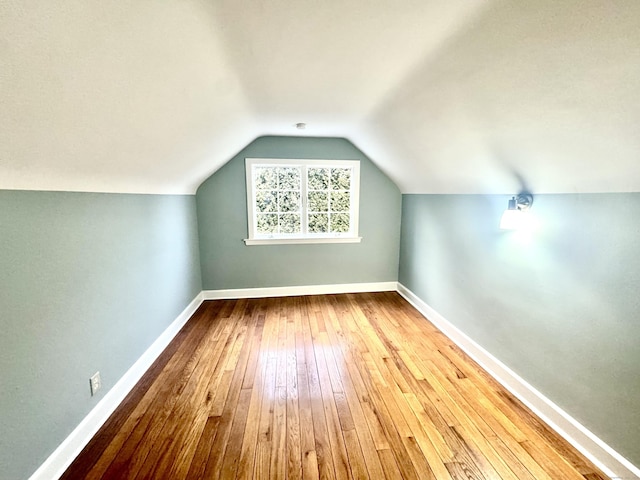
<point x="222" y="221"/>
<point x="560" y="306"/>
<point x="87" y="282"/>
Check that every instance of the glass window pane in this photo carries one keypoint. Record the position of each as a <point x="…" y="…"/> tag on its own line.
<point x="289" y="223"/>
<point x="318" y="178"/>
<point x="289" y="201"/>
<point x="318" y="202"/>
<point x="267" y="223"/>
<point x="340" y="201"/>
<point x="265" y="178"/>
<point x="340" y="223"/>
<point x="266" y="201"/>
<point x="280" y="209"/>
<point x="340" y="178"/>
<point x="318" y="223"/>
<point x="289" y="178"/>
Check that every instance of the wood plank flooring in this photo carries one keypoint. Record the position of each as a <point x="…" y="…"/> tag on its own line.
<point x="322" y="387"/>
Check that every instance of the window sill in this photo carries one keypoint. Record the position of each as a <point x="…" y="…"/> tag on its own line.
<point x="282" y="241"/>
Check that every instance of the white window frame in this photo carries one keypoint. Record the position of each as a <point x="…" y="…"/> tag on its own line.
<point x="350" y="237"/>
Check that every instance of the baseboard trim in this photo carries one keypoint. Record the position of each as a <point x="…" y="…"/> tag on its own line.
<point x="605" y="457"/>
<point x="301" y="290"/>
<point x="70" y="448"/>
<point x="596" y="450"/>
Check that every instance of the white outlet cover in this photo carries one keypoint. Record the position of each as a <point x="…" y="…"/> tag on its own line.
<point x="95" y="383"/>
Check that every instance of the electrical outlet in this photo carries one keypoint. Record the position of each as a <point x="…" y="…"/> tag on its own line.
<point x="95" y="383"/>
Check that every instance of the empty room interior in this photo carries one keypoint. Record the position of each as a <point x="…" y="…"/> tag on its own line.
<point x="302" y="239"/>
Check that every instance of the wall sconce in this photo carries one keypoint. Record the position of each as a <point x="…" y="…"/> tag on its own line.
<point x="516" y="214"/>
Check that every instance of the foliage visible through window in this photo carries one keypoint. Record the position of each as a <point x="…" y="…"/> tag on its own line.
<point x="302" y="198"/>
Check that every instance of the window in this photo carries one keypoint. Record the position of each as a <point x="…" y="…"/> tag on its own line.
<point x="302" y="201"/>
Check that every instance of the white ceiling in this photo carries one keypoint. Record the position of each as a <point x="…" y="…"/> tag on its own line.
<point x="452" y="96"/>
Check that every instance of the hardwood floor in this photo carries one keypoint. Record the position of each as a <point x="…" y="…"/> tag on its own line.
<point x="335" y="386"/>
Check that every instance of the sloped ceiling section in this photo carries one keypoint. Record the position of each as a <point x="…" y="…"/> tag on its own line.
<point x="115" y="96"/>
<point x="445" y="96"/>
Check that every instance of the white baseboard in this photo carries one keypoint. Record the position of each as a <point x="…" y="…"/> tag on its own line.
<point x="61" y="458"/>
<point x="56" y="464"/>
<point x="304" y="290"/>
<point x="605" y="457"/>
<point x="601" y="454"/>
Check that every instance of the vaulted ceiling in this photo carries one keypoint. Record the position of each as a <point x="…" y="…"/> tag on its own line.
<point x="452" y="96"/>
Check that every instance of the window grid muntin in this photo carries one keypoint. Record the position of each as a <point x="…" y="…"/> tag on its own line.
<point x="352" y="214"/>
<point x="330" y="191"/>
<point x="280" y="190"/>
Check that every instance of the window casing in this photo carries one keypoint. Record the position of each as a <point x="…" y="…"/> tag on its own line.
<point x="302" y="201"/>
